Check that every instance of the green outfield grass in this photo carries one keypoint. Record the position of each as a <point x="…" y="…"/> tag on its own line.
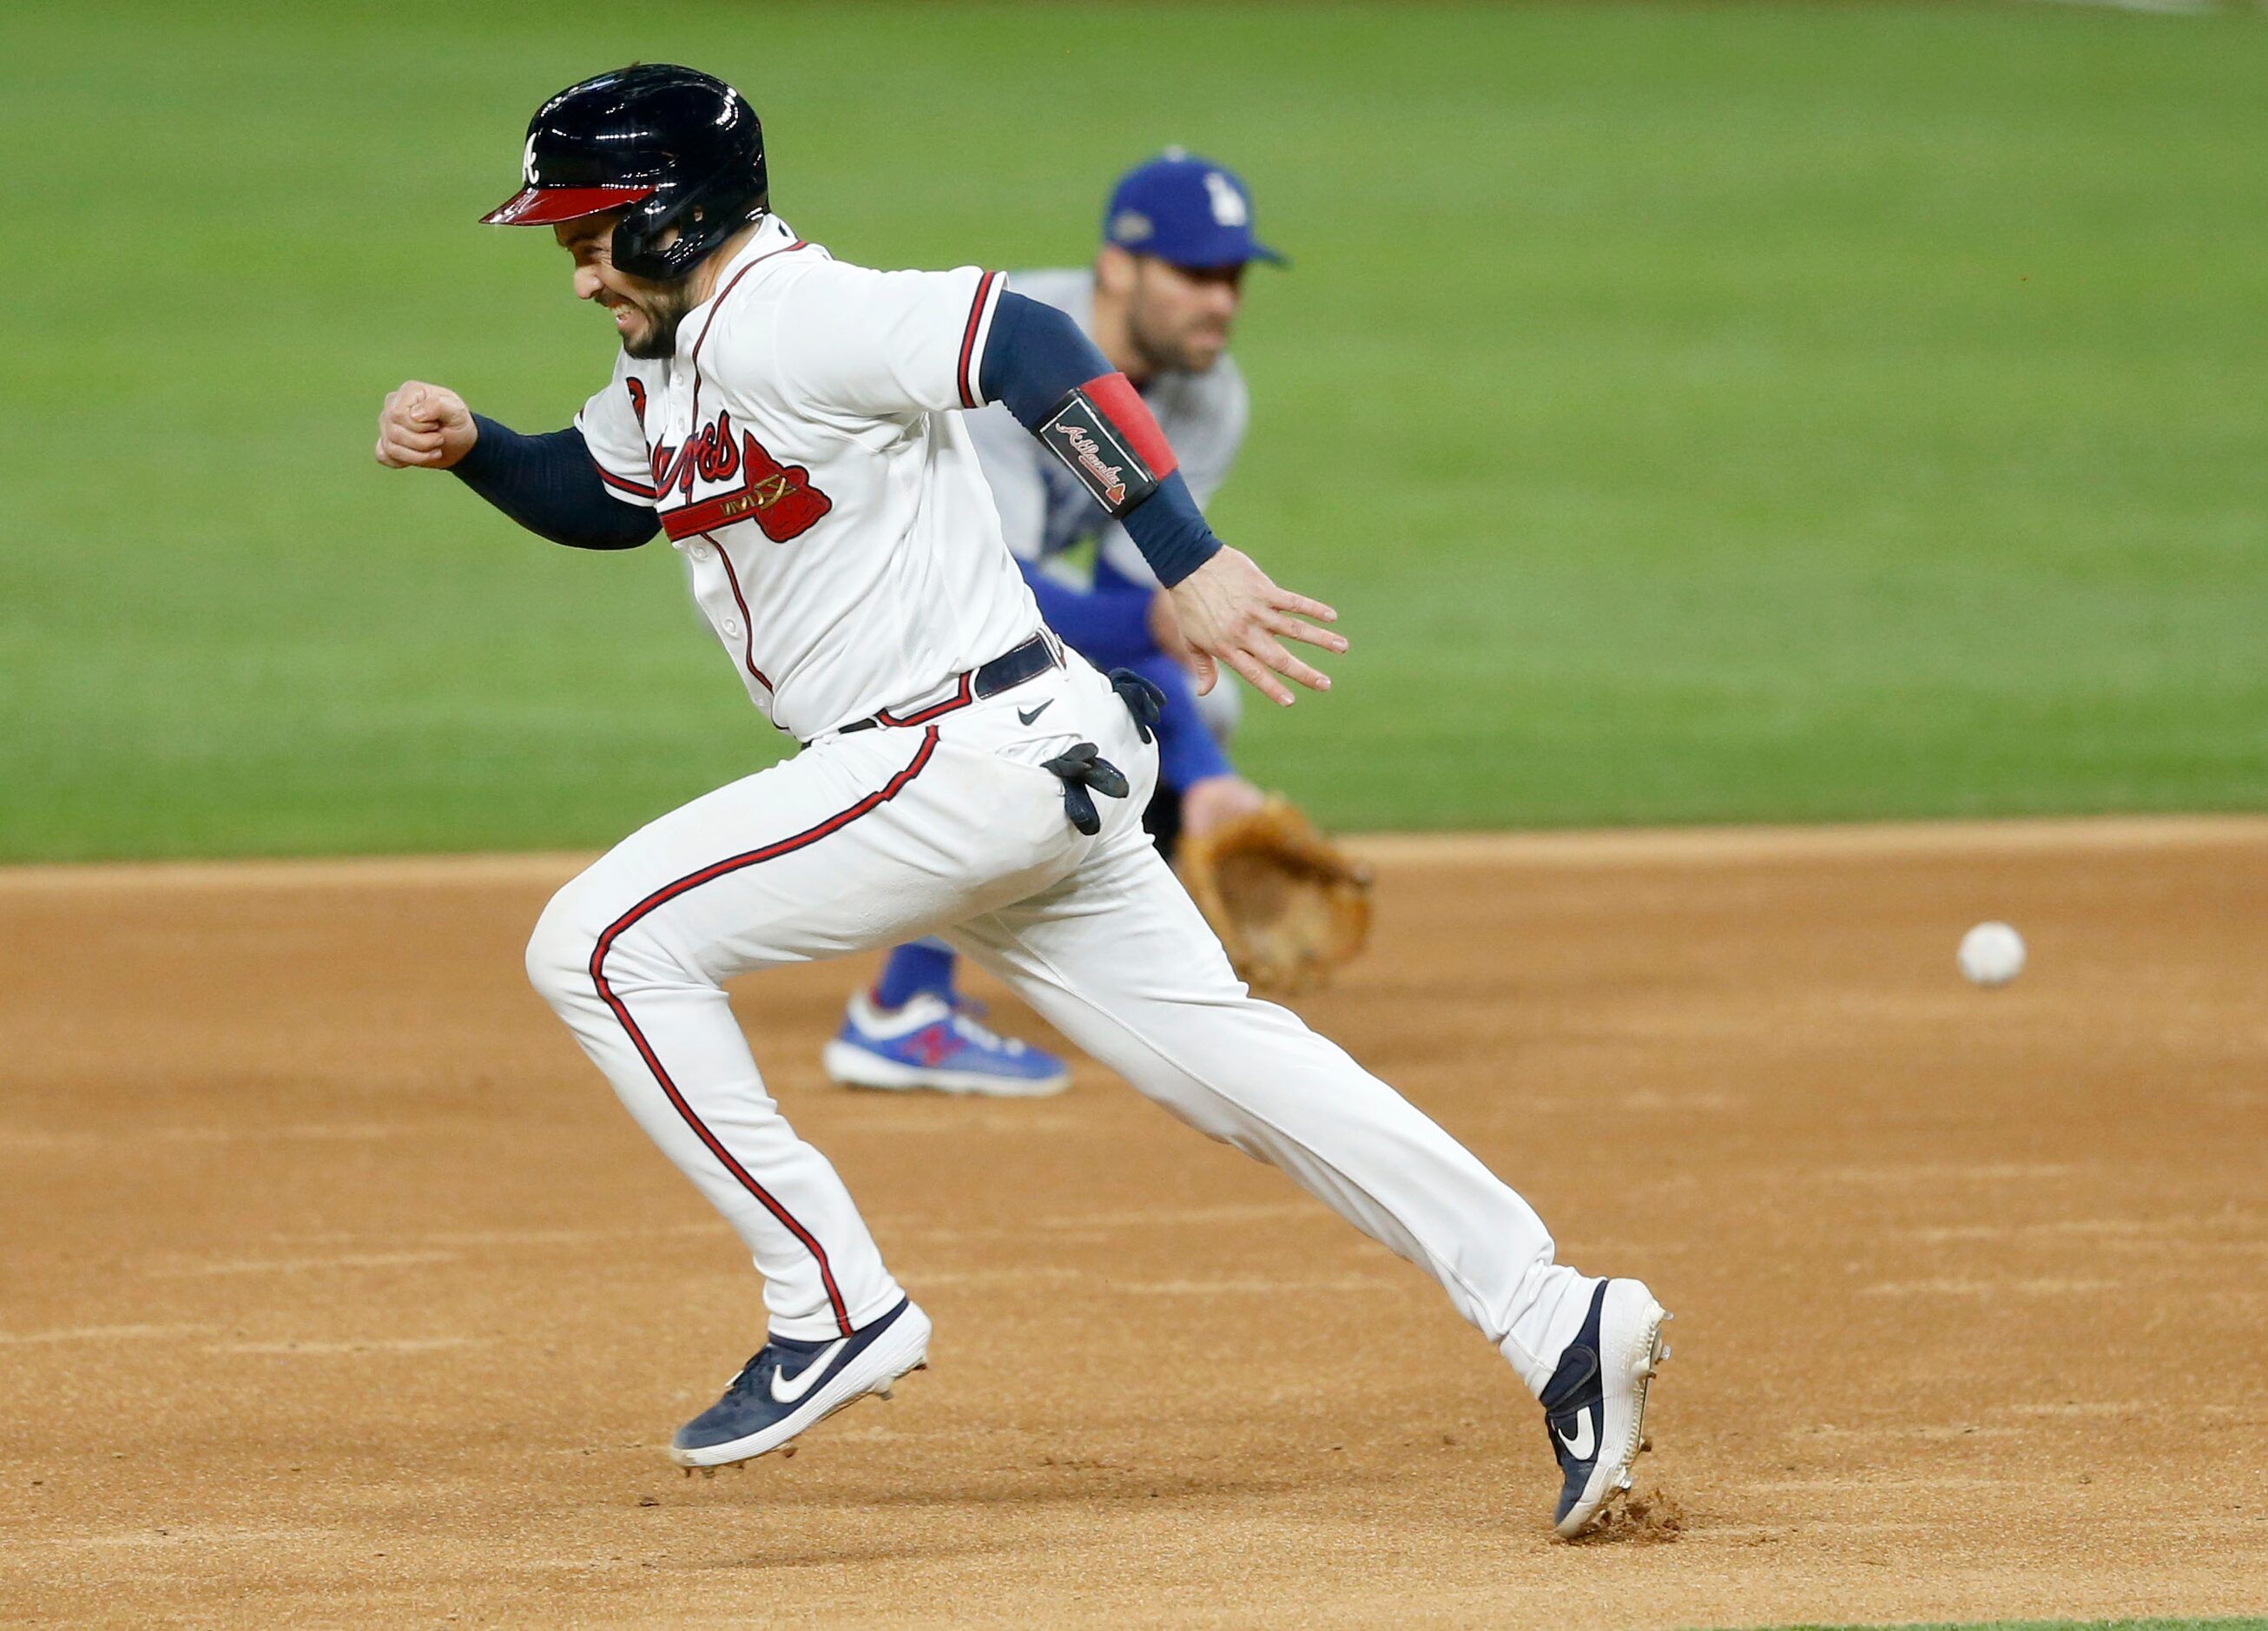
<point x="1699" y="415"/>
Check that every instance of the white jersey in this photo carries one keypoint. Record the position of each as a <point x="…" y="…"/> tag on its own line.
<point x="1046" y="512"/>
<point x="805" y="452"/>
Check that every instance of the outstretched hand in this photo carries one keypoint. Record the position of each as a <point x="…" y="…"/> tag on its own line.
<point x="423" y="426"/>
<point x="1232" y="612"/>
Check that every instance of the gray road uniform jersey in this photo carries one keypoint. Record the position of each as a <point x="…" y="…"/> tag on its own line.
<point x="1049" y="519"/>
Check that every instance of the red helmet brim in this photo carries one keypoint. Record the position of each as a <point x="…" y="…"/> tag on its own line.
<point x="547" y="206"/>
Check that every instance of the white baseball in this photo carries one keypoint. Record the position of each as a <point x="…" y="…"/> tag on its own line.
<point x="1992" y="954"/>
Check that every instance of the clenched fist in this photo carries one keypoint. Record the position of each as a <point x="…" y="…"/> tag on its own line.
<point x="423" y="426"/>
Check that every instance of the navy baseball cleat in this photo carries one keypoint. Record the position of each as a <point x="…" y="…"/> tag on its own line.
<point x="1595" y="1404"/>
<point x="790" y="1385"/>
<point x="936" y="1042"/>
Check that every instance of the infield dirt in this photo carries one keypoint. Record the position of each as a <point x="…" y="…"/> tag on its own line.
<point x="339" y="1289"/>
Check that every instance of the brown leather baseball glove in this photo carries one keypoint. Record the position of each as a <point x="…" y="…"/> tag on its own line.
<point x="1287" y="905"/>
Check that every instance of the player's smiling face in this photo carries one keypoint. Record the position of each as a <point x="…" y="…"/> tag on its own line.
<point x="645" y="314"/>
<point x="1178" y="317"/>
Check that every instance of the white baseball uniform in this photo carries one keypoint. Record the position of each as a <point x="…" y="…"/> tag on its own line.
<point x="841" y="539"/>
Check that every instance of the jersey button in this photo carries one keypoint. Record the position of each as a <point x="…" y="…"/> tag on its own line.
<point x="731" y="628"/>
<point x="701" y="551"/>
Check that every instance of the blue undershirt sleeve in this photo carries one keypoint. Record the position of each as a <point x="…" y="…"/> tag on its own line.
<point x="1110" y="629"/>
<point x="550" y="485"/>
<point x="1033" y="355"/>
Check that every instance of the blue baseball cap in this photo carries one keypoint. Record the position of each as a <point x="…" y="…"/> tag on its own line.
<point x="1185" y="209"/>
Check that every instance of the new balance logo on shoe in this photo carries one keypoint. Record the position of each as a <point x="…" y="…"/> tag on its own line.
<point x="786" y="1393"/>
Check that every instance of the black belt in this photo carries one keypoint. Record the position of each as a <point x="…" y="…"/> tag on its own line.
<point x="1028" y="661"/>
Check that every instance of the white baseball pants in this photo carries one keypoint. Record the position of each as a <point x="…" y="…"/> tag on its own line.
<point x="951" y="827"/>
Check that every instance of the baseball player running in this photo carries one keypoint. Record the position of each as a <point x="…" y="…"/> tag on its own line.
<point x="793" y="423"/>
<point x="1158" y="302"/>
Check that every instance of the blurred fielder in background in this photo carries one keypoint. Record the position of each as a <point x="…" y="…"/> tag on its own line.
<point x="1158" y="301"/>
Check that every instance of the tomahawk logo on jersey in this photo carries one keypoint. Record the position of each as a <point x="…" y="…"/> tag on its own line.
<point x="779" y="498"/>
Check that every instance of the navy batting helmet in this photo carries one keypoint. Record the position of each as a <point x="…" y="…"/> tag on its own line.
<point x="681" y="149"/>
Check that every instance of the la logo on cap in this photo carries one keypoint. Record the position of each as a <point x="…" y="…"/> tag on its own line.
<point x="1228" y="205"/>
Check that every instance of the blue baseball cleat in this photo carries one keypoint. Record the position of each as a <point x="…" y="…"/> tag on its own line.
<point x="936" y="1042"/>
<point x="1595" y="1404"/>
<point x="790" y="1385"/>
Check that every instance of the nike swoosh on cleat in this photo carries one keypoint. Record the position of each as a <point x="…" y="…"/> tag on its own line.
<point x="786" y="1393"/>
<point x="1583" y="1446"/>
<point x="1027" y="718"/>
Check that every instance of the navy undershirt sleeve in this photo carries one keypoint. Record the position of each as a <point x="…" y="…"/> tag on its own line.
<point x="1032" y="355"/>
<point x="550" y="485"/>
<point x="1170" y="531"/>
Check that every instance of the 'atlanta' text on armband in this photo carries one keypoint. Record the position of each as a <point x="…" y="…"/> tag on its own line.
<point x="1104" y="434"/>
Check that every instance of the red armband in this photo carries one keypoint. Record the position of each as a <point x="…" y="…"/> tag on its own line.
<point x="1106" y="435"/>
